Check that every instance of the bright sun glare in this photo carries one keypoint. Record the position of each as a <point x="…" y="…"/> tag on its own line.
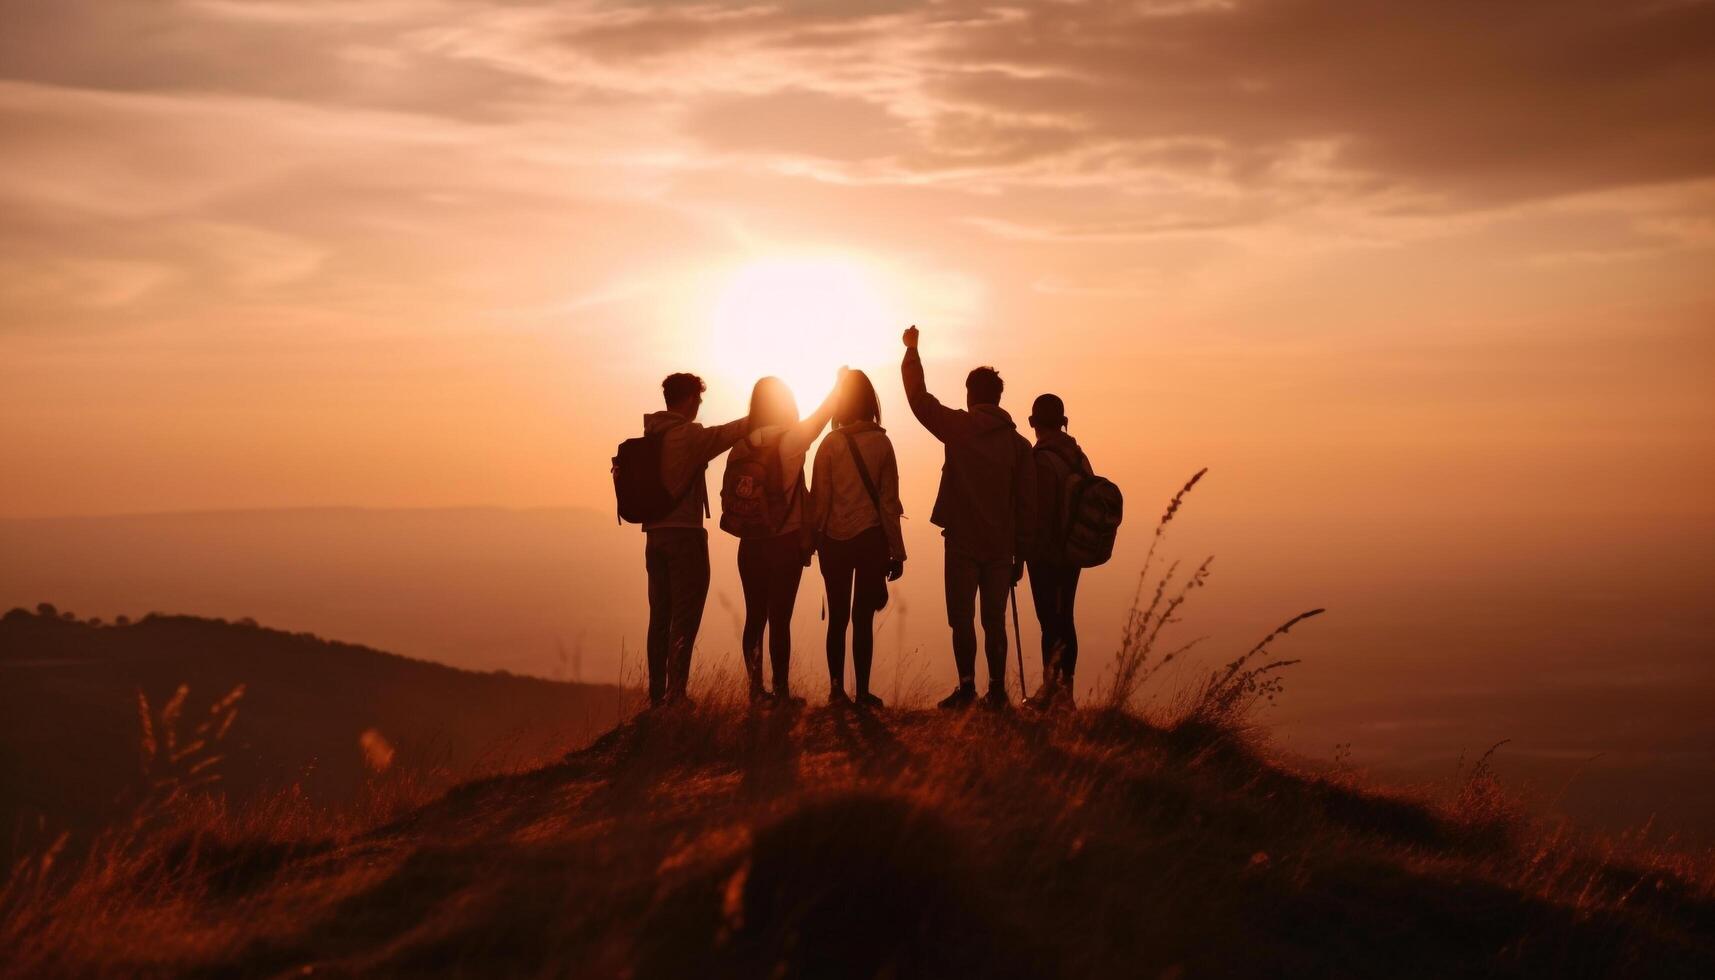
<point x="799" y="319"/>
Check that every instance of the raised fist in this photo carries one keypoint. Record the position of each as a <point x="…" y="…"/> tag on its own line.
<point x="911" y="337"/>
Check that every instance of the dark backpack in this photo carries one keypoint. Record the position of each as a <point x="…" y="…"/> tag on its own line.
<point x="1091" y="508"/>
<point x="638" y="484"/>
<point x="754" y="502"/>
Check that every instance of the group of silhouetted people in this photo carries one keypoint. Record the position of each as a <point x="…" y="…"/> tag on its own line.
<point x="1004" y="505"/>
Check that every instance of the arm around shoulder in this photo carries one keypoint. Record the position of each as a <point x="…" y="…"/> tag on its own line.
<point x="712" y="441"/>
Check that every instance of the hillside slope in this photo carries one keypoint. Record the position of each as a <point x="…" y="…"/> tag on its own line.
<point x="72" y="696"/>
<point x="718" y="842"/>
<point x="1427" y="660"/>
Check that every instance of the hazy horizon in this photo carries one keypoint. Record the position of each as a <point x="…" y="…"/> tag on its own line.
<point x="1411" y="672"/>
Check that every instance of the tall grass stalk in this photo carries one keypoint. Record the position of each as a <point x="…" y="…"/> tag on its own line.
<point x="1230" y="692"/>
<point x="1144" y="623"/>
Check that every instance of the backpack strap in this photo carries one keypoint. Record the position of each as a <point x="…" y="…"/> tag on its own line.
<point x="1077" y="465"/>
<point x="1051" y="454"/>
<point x="863" y="474"/>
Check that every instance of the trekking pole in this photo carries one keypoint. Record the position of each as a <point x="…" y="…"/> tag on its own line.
<point x="1018" y="641"/>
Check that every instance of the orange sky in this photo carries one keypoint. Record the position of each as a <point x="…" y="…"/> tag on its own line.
<point x="1387" y="261"/>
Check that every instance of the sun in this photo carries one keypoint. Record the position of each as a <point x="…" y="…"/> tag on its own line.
<point x="799" y="319"/>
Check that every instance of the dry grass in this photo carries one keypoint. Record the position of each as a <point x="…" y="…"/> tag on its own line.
<point x="718" y="841"/>
<point x="1144" y="623"/>
<point x="1229" y="694"/>
<point x="182" y="847"/>
<point x="1226" y="697"/>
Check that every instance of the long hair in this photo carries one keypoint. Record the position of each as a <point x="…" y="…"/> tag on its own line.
<point x="857" y="403"/>
<point x="771" y="403"/>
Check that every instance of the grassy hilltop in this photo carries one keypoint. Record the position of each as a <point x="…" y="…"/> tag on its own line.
<point x="721" y="842"/>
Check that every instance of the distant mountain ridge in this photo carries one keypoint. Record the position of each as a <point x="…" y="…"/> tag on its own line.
<point x="476" y="587"/>
<point x="309" y="713"/>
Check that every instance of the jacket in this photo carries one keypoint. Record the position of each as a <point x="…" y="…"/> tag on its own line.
<point x="1057" y="456"/>
<point x="840" y="505"/>
<point x="686" y="450"/>
<point x="986" y="504"/>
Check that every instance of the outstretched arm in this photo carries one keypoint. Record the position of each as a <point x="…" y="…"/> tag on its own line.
<point x="936" y="417"/>
<point x="798" y="438"/>
<point x="710" y="441"/>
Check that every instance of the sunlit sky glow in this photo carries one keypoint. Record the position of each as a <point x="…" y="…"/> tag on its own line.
<point x="260" y="253"/>
<point x="800" y="317"/>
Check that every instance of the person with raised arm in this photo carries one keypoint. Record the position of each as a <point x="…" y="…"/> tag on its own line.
<point x="986" y="509"/>
<point x="762" y="504"/>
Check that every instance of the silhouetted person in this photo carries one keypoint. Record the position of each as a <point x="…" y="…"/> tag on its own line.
<point x="1053" y="578"/>
<point x="762" y="502"/>
<point x="986" y="509"/>
<point x="676" y="551"/>
<point x="855" y="508"/>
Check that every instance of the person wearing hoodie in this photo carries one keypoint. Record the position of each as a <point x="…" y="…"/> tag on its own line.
<point x="676" y="547"/>
<point x="771" y="563"/>
<point x="1053" y="580"/>
<point x="854" y="502"/>
<point x="986" y="509"/>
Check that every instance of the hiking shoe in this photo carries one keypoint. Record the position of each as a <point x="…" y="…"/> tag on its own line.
<point x="837" y="698"/>
<point x="961" y="698"/>
<point x="869" y="702"/>
<point x="995" y="699"/>
<point x="786" y="699"/>
<point x="1063" y="700"/>
<point x="1056" y="697"/>
<point x="758" y="697"/>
